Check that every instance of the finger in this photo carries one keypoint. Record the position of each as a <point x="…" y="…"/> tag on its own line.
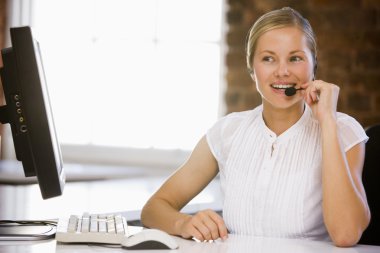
<point x="212" y="227"/>
<point x="314" y="96"/>
<point x="314" y="91"/>
<point x="195" y="233"/>
<point x="222" y="228"/>
<point x="318" y="84"/>
<point x="203" y="229"/>
<point x="189" y="230"/>
<point x="307" y="97"/>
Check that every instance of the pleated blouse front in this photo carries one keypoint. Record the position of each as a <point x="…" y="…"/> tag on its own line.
<point x="272" y="184"/>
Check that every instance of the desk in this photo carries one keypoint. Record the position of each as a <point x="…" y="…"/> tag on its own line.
<point x="234" y="244"/>
<point x="127" y="196"/>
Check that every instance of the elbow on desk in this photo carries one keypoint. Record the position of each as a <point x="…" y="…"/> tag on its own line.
<point x="346" y="238"/>
<point x="345" y="241"/>
<point x="148" y="215"/>
<point x="144" y="217"/>
<point x="350" y="234"/>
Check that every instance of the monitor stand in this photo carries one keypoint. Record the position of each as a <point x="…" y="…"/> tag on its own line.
<point x="26" y="232"/>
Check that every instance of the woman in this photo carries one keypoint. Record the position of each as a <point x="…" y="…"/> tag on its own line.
<point x="290" y="167"/>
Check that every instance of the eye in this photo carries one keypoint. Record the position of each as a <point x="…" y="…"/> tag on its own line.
<point x="296" y="58"/>
<point x="268" y="59"/>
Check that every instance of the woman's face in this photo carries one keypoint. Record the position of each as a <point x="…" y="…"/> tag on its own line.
<point x="282" y="59"/>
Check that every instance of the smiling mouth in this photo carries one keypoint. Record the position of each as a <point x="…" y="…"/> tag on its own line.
<point x="283" y="86"/>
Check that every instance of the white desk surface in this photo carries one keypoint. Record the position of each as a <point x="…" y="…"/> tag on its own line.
<point x="127" y="195"/>
<point x="234" y="244"/>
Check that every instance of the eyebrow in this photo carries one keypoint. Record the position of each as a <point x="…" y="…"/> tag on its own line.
<point x="297" y="51"/>
<point x="292" y="52"/>
<point x="267" y="51"/>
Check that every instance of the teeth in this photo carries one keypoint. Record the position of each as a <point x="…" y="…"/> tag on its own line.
<point x="282" y="86"/>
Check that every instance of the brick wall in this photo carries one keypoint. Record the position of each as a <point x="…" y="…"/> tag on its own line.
<point x="348" y="37"/>
<point x="2" y="25"/>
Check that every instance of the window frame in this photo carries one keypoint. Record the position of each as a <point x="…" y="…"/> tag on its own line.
<point x="21" y="14"/>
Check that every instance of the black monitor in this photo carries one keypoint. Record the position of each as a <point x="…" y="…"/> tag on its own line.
<point x="28" y="111"/>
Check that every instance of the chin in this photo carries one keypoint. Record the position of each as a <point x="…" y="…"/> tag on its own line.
<point x="287" y="103"/>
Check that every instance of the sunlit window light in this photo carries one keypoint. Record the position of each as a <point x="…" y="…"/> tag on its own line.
<point x="143" y="74"/>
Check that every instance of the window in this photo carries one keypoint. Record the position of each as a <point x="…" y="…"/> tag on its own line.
<point x="139" y="74"/>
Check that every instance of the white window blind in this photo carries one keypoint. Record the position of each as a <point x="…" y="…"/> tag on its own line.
<point x="137" y="74"/>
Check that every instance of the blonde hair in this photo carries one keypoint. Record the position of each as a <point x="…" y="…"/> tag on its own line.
<point x="280" y="18"/>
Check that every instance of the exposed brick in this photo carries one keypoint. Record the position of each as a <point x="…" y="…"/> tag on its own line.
<point x="335" y="3"/>
<point x="370" y="4"/>
<point x="234" y="16"/>
<point x="370" y="121"/>
<point x="236" y="59"/>
<point x="264" y="6"/>
<point x="241" y="99"/>
<point x="335" y="75"/>
<point x="336" y="58"/>
<point x="236" y="37"/>
<point x="378" y="101"/>
<point x="252" y="99"/>
<point x="3" y="9"/>
<point x="348" y="40"/>
<point x="359" y="102"/>
<point x="370" y="39"/>
<point x="238" y="77"/>
<point x="368" y="59"/>
<point x="342" y="19"/>
<point x="366" y="79"/>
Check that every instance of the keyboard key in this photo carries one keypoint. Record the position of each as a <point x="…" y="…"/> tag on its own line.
<point x="79" y="225"/>
<point x="110" y="224"/>
<point x="85" y="223"/>
<point x="102" y="224"/>
<point x="93" y="223"/>
<point x="72" y="226"/>
<point x="119" y="224"/>
<point x="94" y="228"/>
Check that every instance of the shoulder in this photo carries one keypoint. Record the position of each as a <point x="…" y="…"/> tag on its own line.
<point x="228" y="124"/>
<point x="347" y="122"/>
<point x="221" y="134"/>
<point x="350" y="130"/>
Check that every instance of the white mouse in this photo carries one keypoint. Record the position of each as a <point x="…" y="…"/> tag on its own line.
<point x="150" y="239"/>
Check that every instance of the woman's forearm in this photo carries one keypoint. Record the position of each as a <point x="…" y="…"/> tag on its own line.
<point x="159" y="214"/>
<point x="345" y="209"/>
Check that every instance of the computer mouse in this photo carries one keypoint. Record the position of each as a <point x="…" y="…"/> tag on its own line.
<point x="149" y="239"/>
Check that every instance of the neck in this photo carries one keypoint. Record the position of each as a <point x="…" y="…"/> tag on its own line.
<point x="281" y="119"/>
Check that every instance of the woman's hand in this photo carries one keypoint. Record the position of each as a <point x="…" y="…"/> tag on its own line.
<point x="322" y="97"/>
<point x="204" y="226"/>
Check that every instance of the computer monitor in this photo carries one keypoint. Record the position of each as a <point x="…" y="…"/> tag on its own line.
<point x="28" y="111"/>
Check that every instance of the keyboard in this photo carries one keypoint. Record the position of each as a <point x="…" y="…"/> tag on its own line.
<point x="92" y="228"/>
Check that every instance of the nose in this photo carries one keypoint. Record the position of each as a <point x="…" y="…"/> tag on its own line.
<point x="282" y="69"/>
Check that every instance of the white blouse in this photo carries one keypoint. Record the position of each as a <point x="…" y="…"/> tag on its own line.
<point x="272" y="184"/>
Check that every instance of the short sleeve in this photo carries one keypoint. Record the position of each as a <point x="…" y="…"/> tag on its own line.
<point x="351" y="132"/>
<point x="214" y="138"/>
<point x="220" y="135"/>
